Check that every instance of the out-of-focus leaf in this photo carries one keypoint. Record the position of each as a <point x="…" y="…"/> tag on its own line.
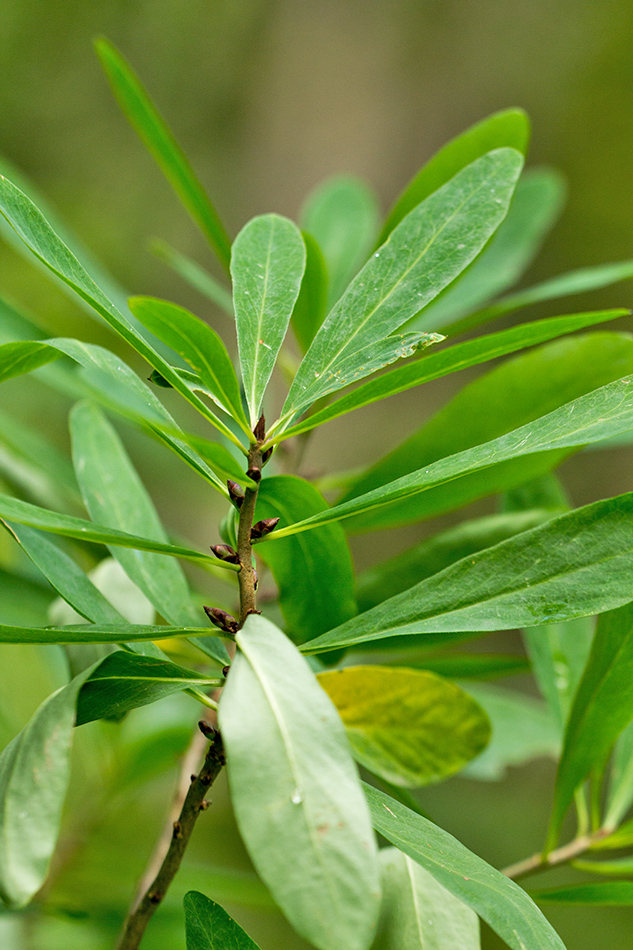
<point x="314" y="576"/>
<point x="124" y="681"/>
<point x="23" y="601"/>
<point x="511" y="395"/>
<point x="170" y="158"/>
<point x="546" y="491"/>
<point x="13" y="509"/>
<point x="558" y="653"/>
<point x="602" y="707"/>
<point x="23" y="357"/>
<point x="341" y="214"/>
<point x="499" y="901"/>
<point x="535" y="207"/>
<point x="267" y="264"/>
<point x="509" y="128"/>
<point x="620" y="796"/>
<point x="522" y="729"/>
<point x="575" y="282"/>
<point x="410" y="727"/>
<point x="601" y="893"/>
<point x="573" y="566"/>
<point x="450" y="360"/>
<point x="304" y="821"/>
<point x="209" y="927"/>
<point x="198" y="344"/>
<point x="417" y="913"/>
<point x="96" y="633"/>
<point x="434" y="554"/>
<point x="618" y="867"/>
<point x="407" y="272"/>
<point x="311" y="304"/>
<point x="195" y="275"/>
<point x="468" y="665"/>
<point x="34" y="774"/>
<point x="591" y="418"/>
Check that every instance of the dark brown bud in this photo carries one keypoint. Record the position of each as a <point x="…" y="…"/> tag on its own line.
<point x="236" y="493"/>
<point x="224" y="552"/>
<point x="206" y="729"/>
<point x="260" y="429"/>
<point x="177" y="830"/>
<point x="255" y="474"/>
<point x="263" y="527"/>
<point x="221" y="619"/>
<point x="225" y="670"/>
<point x="255" y="579"/>
<point x="266" y="455"/>
<point x="204" y="804"/>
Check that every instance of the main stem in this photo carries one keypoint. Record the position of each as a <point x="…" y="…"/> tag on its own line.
<point x="246" y="576"/>
<point x="193" y="804"/>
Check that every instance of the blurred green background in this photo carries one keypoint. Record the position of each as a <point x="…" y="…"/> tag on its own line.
<point x="268" y="97"/>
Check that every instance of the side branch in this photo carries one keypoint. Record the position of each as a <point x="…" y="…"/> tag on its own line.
<point x="193" y="804"/>
<point x="540" y="862"/>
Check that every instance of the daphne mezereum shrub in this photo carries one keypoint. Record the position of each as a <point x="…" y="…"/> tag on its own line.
<point x="335" y="669"/>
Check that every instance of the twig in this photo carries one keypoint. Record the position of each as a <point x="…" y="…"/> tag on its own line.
<point x="540" y="862"/>
<point x="181" y="829"/>
<point x="246" y="576"/>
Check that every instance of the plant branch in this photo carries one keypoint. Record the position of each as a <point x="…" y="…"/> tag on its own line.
<point x="247" y="578"/>
<point x="542" y="862"/>
<point x="181" y="829"/>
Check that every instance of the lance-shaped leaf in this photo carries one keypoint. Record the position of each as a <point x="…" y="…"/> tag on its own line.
<point x="170" y="158"/>
<point x="198" y="344"/>
<point x="125" y="681"/>
<point x="573" y="566"/>
<point x="460" y="665"/>
<point x="450" y="360"/>
<point x="410" y="727"/>
<point x="311" y="304"/>
<point x="598" y="894"/>
<point x="558" y="653"/>
<point x="509" y="128"/>
<point x="96" y="633"/>
<point x="434" y="554"/>
<point x="602" y="707"/>
<point x="267" y="264"/>
<point x="315" y="576"/>
<point x="115" y="496"/>
<point x="13" y="509"/>
<point x="510" y="395"/>
<point x="575" y="282"/>
<point x="535" y="207"/>
<point x="341" y="214"/>
<point x="428" y="249"/>
<point x="195" y="275"/>
<point x="34" y="775"/>
<point x="620" y="795"/>
<point x="499" y="901"/>
<point x="23" y="357"/>
<point x="417" y="913"/>
<point x="31" y="226"/>
<point x="304" y="822"/>
<point x="598" y="415"/>
<point x="209" y="927"/>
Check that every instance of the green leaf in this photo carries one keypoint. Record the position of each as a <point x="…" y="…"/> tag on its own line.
<point x="523" y="729"/>
<point x="341" y="214"/>
<point x="545" y="491"/>
<point x="34" y="775"/>
<point x="23" y="357"/>
<point x="315" y="576"/>
<point x="511" y="395"/>
<point x="311" y="304"/>
<point x="410" y="727"/>
<point x="499" y="901"/>
<point x="509" y="128"/>
<point x="198" y="344"/>
<point x="558" y="653"/>
<point x="304" y="822"/>
<point x="620" y="796"/>
<point x="417" y="913"/>
<point x="575" y="565"/>
<point x="469" y="665"/>
<point x="535" y="207"/>
<point x="267" y="265"/>
<point x="450" y="360"/>
<point x="31" y="226"/>
<point x="125" y="681"/>
<point x="598" y="415"/>
<point x="195" y="275"/>
<point x="618" y="867"/>
<point x="428" y="249"/>
<point x="209" y="927"/>
<point x="599" y="894"/>
<point x="115" y="496"/>
<point x="434" y="554"/>
<point x="575" y="282"/>
<point x="13" y="509"/>
<point x="23" y="600"/>
<point x="152" y="129"/>
<point x="96" y="633"/>
<point x="603" y="704"/>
